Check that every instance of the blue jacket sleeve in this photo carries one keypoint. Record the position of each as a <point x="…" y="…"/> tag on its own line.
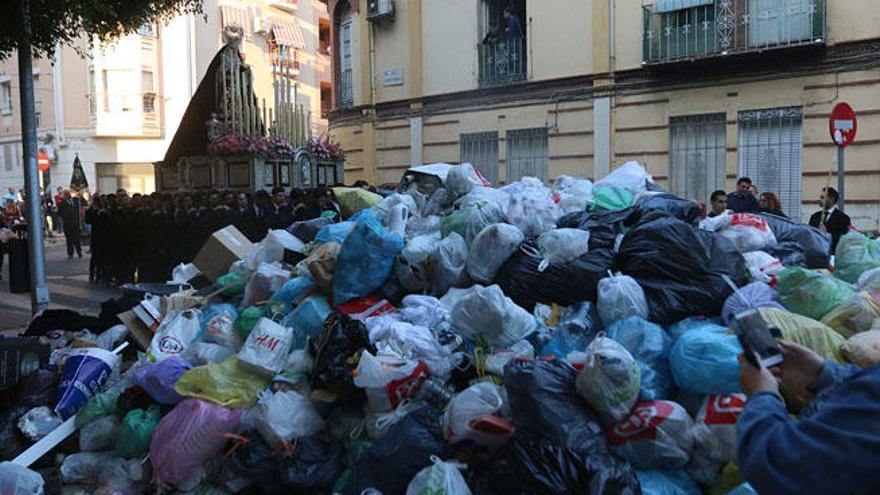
<point x="837" y="450"/>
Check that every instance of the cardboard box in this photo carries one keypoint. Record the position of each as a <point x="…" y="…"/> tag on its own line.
<point x="20" y="356"/>
<point x="223" y="248"/>
<point x="139" y="331"/>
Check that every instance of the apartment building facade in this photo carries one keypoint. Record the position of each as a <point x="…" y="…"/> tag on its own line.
<point x="700" y="91"/>
<point x="118" y="108"/>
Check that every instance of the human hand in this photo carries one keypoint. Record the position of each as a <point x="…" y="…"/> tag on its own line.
<point x="753" y="380"/>
<point x="822" y="227"/>
<point x="800" y="369"/>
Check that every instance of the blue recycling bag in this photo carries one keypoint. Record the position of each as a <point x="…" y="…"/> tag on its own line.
<point x="290" y="292"/>
<point x="667" y="482"/>
<point x="84" y="374"/>
<point x="649" y="344"/>
<point x="678" y="329"/>
<point x="214" y="310"/>
<point x="365" y="260"/>
<point x="703" y="361"/>
<point x="335" y="232"/>
<point x="307" y="319"/>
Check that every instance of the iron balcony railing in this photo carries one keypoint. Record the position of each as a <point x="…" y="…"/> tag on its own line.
<point x="502" y="62"/>
<point x="345" y="92"/>
<point x="722" y="27"/>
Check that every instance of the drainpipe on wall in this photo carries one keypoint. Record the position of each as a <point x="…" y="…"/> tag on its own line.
<point x="58" y="96"/>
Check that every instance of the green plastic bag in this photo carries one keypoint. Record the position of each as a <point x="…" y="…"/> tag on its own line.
<point x="810" y="293"/>
<point x="354" y="199"/>
<point x="611" y="198"/>
<point x="103" y="404"/>
<point x="233" y="283"/>
<point x="136" y="431"/>
<point x="457" y="221"/>
<point x="854" y="255"/>
<point x="229" y="384"/>
<point x="246" y="321"/>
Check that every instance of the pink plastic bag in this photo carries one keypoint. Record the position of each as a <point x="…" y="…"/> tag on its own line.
<point x="188" y="436"/>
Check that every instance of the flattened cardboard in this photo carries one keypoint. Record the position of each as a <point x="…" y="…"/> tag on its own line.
<point x="222" y="249"/>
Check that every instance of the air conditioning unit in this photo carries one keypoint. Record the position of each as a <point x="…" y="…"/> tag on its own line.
<point x="260" y="25"/>
<point x="379" y="10"/>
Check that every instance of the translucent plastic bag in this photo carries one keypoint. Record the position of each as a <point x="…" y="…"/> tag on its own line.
<point x="335" y="232"/>
<point x="763" y="267"/>
<point x="271" y="249"/>
<point x="307" y="319"/>
<point x="267" y="346"/>
<point x="747" y="231"/>
<point x="752" y="296"/>
<point x="100" y="405"/>
<point x="649" y="344"/>
<point x="411" y="268"/>
<point x="99" y="467"/>
<point x="855" y="314"/>
<point x="461" y="179"/>
<point x="715" y="427"/>
<point x="365" y="260"/>
<point x="487" y="312"/>
<point x="657" y="434"/>
<point x="285" y="298"/>
<point x="810" y="293"/>
<point x="202" y="353"/>
<point x="562" y="246"/>
<point x="188" y="436"/>
<point x="228" y="383"/>
<point x="483" y="214"/>
<point x="532" y="208"/>
<point x="217" y="323"/>
<point x="354" y="199"/>
<point x="389" y="380"/>
<point x="440" y="478"/>
<point x="136" y="431"/>
<point x="413" y="342"/>
<point x="481" y="194"/>
<point x="99" y="434"/>
<point x="610" y="381"/>
<point x="705" y="362"/>
<point x="456" y="221"/>
<point x="178" y="330"/>
<point x="477" y="401"/>
<point x="667" y="482"/>
<point x="869" y="280"/>
<point x="630" y="175"/>
<point x="805" y="331"/>
<point x="619" y="297"/>
<point x="496" y="361"/>
<point x="449" y="264"/>
<point x="38" y="422"/>
<point x="263" y="283"/>
<point x="855" y="254"/>
<point x="283" y="416"/>
<point x="158" y="379"/>
<point x="19" y="480"/>
<point x="490" y="249"/>
<point x="863" y="349"/>
<point x="384" y="207"/>
<point x="574" y="194"/>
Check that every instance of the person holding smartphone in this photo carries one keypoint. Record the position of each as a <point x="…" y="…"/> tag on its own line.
<point x="832" y="448"/>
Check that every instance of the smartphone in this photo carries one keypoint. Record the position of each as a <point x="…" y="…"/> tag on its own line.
<point x="757" y="338"/>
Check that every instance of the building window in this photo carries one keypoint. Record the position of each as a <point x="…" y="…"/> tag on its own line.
<point x="697" y="163"/>
<point x="481" y="150"/>
<point x="770" y="153"/>
<point x="146" y="29"/>
<point x="527" y="154"/>
<point x="7" y="156"/>
<point x="502" y="51"/>
<point x="93" y="97"/>
<point x="6" y="97"/>
<point x="325" y="99"/>
<point x="147" y="81"/>
<point x="284" y="56"/>
<point x="149" y="103"/>
<point x="345" y="81"/>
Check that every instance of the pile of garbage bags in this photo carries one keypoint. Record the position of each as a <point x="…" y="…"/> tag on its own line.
<point x="452" y="340"/>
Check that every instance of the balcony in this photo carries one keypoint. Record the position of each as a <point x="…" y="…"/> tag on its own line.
<point x="502" y="62"/>
<point x="285" y="5"/>
<point x="284" y="58"/>
<point x="683" y="30"/>
<point x="345" y="90"/>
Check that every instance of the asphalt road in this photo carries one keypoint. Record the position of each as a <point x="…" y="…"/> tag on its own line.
<point x="69" y="288"/>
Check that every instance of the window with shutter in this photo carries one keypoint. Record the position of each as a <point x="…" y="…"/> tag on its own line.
<point x="527" y="154"/>
<point x="697" y="161"/>
<point x="481" y="150"/>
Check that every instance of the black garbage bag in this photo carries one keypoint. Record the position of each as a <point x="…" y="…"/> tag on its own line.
<point x="815" y="243"/>
<point x="683" y="209"/>
<point x="788" y="253"/>
<point x="312" y="466"/>
<point x="561" y="283"/>
<point x="559" y="445"/>
<point x="12" y="442"/>
<point x="39" y="388"/>
<point x="65" y="319"/>
<point x="604" y="226"/>
<point x="306" y="230"/>
<point x="679" y="267"/>
<point x="340" y="339"/>
<point x="391" y="462"/>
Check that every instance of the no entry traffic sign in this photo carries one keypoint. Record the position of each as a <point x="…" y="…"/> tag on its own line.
<point x="843" y="125"/>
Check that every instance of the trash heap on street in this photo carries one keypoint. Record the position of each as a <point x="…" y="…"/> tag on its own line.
<point x="450" y="339"/>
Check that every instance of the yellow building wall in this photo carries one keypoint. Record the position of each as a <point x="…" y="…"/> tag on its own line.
<point x="449" y="46"/>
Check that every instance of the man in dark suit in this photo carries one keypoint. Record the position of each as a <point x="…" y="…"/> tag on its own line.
<point x="248" y="218"/>
<point x="830" y="218"/>
<point x="741" y="200"/>
<point x="69" y="211"/>
<point x="280" y="213"/>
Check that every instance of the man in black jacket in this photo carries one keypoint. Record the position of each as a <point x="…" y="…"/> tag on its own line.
<point x="830" y="218"/>
<point x="69" y="211"/>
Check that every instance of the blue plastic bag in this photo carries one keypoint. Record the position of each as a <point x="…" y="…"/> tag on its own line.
<point x="744" y="489"/>
<point x="676" y="330"/>
<point x="578" y="325"/>
<point x="335" y="232"/>
<point x="667" y="482"/>
<point x="83" y="376"/>
<point x="703" y="361"/>
<point x="752" y="296"/>
<point x="365" y="260"/>
<point x="649" y="344"/>
<point x="215" y="309"/>
<point x="307" y="319"/>
<point x="158" y="379"/>
<point x="288" y="293"/>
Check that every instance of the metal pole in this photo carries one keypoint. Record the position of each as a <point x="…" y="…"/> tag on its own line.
<point x="39" y="288"/>
<point x="840" y="175"/>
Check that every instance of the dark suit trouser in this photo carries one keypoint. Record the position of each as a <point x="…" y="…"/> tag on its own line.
<point x="73" y="242"/>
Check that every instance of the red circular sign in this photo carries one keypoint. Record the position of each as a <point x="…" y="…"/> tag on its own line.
<point x="43" y="161"/>
<point x="843" y="125"/>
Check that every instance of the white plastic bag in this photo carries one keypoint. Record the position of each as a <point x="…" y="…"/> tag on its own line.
<point x="496" y="361"/>
<point x="490" y="249"/>
<point x="481" y="194"/>
<point x="478" y="400"/>
<point x="99" y="434"/>
<point x="574" y="194"/>
<point x="487" y="312"/>
<point x="271" y="248"/>
<point x="610" y="380"/>
<point x="630" y="175"/>
<point x="92" y="467"/>
<point x="657" y="434"/>
<point x="263" y="283"/>
<point x="414" y="342"/>
<point x="38" y="422"/>
<point x="178" y="330"/>
<point x="462" y="179"/>
<point x="715" y="436"/>
<point x="267" y="346"/>
<point x="207" y="353"/>
<point x="182" y="273"/>
<point x="19" y="480"/>
<point x="562" y="246"/>
<point x="869" y="280"/>
<point x="748" y="232"/>
<point x="220" y="329"/>
<point x="483" y="214"/>
<point x="532" y="208"/>
<point x="389" y="380"/>
<point x="411" y="267"/>
<point x="763" y="267"/>
<point x="449" y="264"/>
<point x="441" y="478"/>
<point x="383" y="208"/>
<point x="378" y="423"/>
<point x="619" y="297"/>
<point x="283" y="416"/>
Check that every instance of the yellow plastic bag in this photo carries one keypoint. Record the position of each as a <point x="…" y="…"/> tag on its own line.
<point x="853" y="315"/>
<point x="228" y="383"/>
<point x="354" y="199"/>
<point x="863" y="349"/>
<point x="807" y="332"/>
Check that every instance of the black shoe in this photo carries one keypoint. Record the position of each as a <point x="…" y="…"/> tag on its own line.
<point x="79" y="254"/>
<point x="70" y="256"/>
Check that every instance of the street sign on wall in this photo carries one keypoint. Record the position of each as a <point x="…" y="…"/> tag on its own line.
<point x="43" y="161"/>
<point x="843" y="124"/>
